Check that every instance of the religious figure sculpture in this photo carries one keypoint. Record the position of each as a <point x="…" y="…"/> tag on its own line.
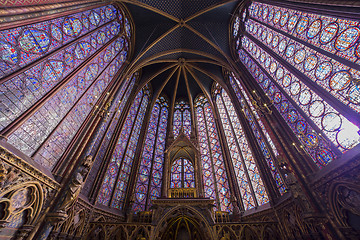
<point x="75" y="185"/>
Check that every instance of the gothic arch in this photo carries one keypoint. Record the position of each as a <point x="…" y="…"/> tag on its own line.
<point x="21" y="204"/>
<point x="187" y="212"/>
<point x="345" y="203"/>
<point x="96" y="233"/>
<point x="248" y="233"/>
<point x="119" y="233"/>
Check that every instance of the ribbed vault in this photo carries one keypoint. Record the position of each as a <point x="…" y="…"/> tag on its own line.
<point x="181" y="47"/>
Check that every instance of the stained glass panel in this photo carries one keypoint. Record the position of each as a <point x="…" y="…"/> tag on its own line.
<point x="182" y="118"/>
<point x="250" y="183"/>
<point x="320" y="153"/>
<point x="214" y="174"/>
<point x="150" y="174"/>
<point x="341" y="132"/>
<point x="182" y="174"/>
<point x="334" y="35"/>
<point x="245" y="102"/>
<point x="121" y="160"/>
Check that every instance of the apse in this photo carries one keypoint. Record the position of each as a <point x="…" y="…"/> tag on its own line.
<point x="179" y="119"/>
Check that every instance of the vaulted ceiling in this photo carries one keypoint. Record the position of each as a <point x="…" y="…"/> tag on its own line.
<point x="181" y="46"/>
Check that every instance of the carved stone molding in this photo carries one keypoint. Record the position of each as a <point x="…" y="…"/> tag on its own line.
<point x="27" y="168"/>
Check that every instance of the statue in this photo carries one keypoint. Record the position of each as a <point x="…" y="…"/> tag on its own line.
<point x="75" y="185"/>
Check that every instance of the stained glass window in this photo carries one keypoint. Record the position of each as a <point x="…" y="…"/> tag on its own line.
<point x="266" y="144"/>
<point x="60" y="68"/>
<point x="182" y="118"/>
<point x="114" y="185"/>
<point x="251" y="186"/>
<point x="182" y="174"/>
<point x="101" y="139"/>
<point x="151" y="164"/>
<point x="215" y="178"/>
<point x="308" y="60"/>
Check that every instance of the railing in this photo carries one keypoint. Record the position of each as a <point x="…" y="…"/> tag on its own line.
<point x="182" y="193"/>
<point x="222" y="217"/>
<point x="145" y="217"/>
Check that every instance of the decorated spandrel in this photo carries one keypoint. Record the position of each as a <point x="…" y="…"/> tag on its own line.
<point x="150" y="172"/>
<point x="252" y="119"/>
<point x="246" y="171"/>
<point x="214" y="175"/>
<point x="339" y="130"/>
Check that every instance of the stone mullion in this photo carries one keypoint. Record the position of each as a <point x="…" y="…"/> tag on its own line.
<point x="310" y="164"/>
<point x="233" y="184"/>
<point x="32" y="19"/>
<point x="103" y="96"/>
<point x="110" y="149"/>
<point x="259" y="158"/>
<point x="249" y="78"/>
<point x="54" y="52"/>
<point x="309" y="45"/>
<point x="138" y="153"/>
<point x="339" y="106"/>
<point x="153" y="154"/>
<point x="125" y="149"/>
<point x="240" y="152"/>
<point x="112" y="88"/>
<point x="94" y="157"/>
<point x="8" y="130"/>
<point x="211" y="159"/>
<point x="349" y="13"/>
<point x="275" y="160"/>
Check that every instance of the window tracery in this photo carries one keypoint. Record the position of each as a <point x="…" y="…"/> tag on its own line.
<point x="251" y="186"/>
<point x="60" y="68"/>
<point x="114" y="185"/>
<point x="303" y="61"/>
<point x="150" y="174"/>
<point x="182" y="174"/>
<point x="182" y="118"/>
<point x="215" y="179"/>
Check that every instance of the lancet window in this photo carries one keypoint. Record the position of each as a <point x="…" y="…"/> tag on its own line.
<point x="53" y="73"/>
<point x="182" y="118"/>
<point x="112" y="192"/>
<point x="306" y="63"/>
<point x="150" y="174"/>
<point x="101" y="139"/>
<point x="182" y="174"/>
<point x="215" y="179"/>
<point x="247" y="174"/>
<point x="262" y="136"/>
